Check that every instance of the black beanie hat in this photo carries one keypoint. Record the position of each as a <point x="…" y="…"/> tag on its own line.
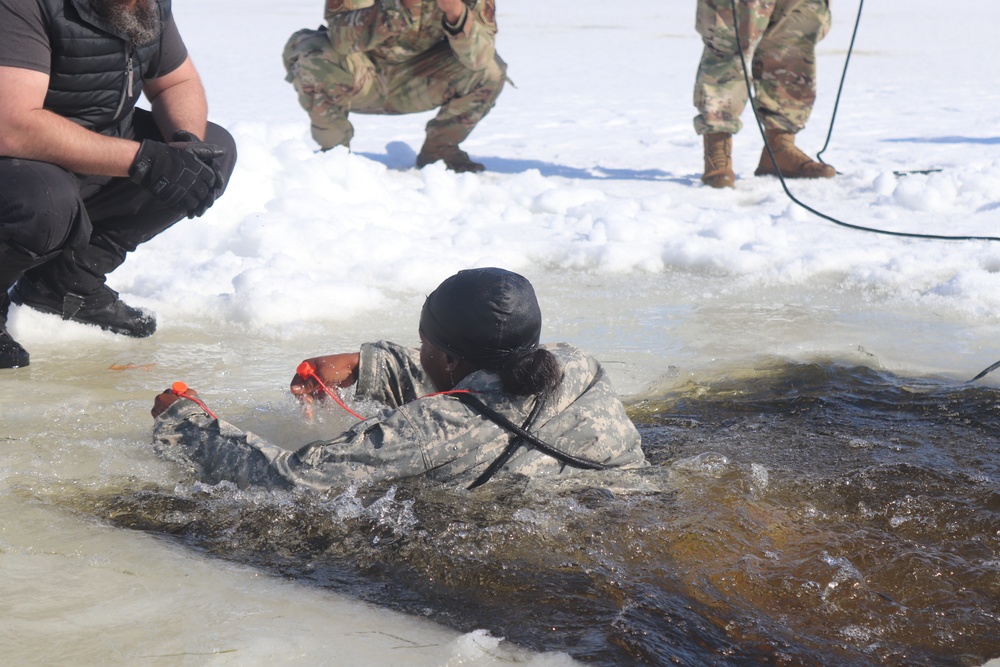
<point x="483" y="316"/>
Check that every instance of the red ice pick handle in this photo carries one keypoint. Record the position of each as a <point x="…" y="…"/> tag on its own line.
<point x="307" y="370"/>
<point x="181" y="389"/>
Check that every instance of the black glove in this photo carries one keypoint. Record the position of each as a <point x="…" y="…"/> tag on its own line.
<point x="177" y="174"/>
<point x="207" y="153"/>
<point x="183" y="136"/>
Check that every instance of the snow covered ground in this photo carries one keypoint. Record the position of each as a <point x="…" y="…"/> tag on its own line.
<point x="593" y="179"/>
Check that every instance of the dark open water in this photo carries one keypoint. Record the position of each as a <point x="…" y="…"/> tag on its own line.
<point x="799" y="515"/>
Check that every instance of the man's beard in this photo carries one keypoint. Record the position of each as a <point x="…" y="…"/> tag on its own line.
<point x="141" y="22"/>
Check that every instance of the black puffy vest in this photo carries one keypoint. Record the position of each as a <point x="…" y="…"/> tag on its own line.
<point x="96" y="74"/>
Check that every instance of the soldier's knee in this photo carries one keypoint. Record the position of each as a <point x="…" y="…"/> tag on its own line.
<point x="488" y="81"/>
<point x="303" y="43"/>
<point x="322" y="76"/>
<point x="497" y="71"/>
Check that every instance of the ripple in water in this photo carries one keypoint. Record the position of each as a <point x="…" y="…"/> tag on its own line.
<point x="804" y="515"/>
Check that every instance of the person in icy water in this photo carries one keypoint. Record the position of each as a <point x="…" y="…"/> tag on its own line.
<point x="480" y="396"/>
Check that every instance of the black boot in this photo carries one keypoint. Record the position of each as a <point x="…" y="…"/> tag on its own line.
<point x="13" y="263"/>
<point x="12" y="355"/>
<point x="102" y="308"/>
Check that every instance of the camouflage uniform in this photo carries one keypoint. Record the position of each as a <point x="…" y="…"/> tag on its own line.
<point x="436" y="435"/>
<point x="779" y="38"/>
<point x="377" y="57"/>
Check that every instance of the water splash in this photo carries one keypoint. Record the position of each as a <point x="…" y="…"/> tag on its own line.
<point x="809" y="515"/>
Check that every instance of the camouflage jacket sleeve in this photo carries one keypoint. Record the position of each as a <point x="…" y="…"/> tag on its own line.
<point x="214" y="450"/>
<point x="363" y="25"/>
<point x="391" y="374"/>
<point x="384" y="447"/>
<point x="473" y="40"/>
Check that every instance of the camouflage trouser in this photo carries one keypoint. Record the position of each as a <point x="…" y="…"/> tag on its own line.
<point x="331" y="85"/>
<point x="779" y="38"/>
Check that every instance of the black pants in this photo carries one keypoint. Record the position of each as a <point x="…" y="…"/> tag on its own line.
<point x="68" y="231"/>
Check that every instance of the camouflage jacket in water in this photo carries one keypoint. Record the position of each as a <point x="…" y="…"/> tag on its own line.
<point x="385" y="30"/>
<point x="435" y="435"/>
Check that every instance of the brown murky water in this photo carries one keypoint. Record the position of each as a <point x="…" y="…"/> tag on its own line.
<point x="800" y="514"/>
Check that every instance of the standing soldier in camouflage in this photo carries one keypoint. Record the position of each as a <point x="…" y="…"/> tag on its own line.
<point x="480" y="397"/>
<point x="397" y="57"/>
<point x="779" y="38"/>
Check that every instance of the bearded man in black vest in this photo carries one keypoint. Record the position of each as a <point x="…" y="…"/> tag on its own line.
<point x="85" y="177"/>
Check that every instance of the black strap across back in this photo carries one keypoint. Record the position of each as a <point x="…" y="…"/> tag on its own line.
<point x="520" y="434"/>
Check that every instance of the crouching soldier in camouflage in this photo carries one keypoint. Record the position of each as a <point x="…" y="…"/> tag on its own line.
<point x="779" y="38"/>
<point x="480" y="397"/>
<point x="397" y="57"/>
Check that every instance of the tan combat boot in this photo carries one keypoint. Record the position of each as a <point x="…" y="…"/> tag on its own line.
<point x="792" y="162"/>
<point x="719" y="160"/>
<point x="454" y="158"/>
